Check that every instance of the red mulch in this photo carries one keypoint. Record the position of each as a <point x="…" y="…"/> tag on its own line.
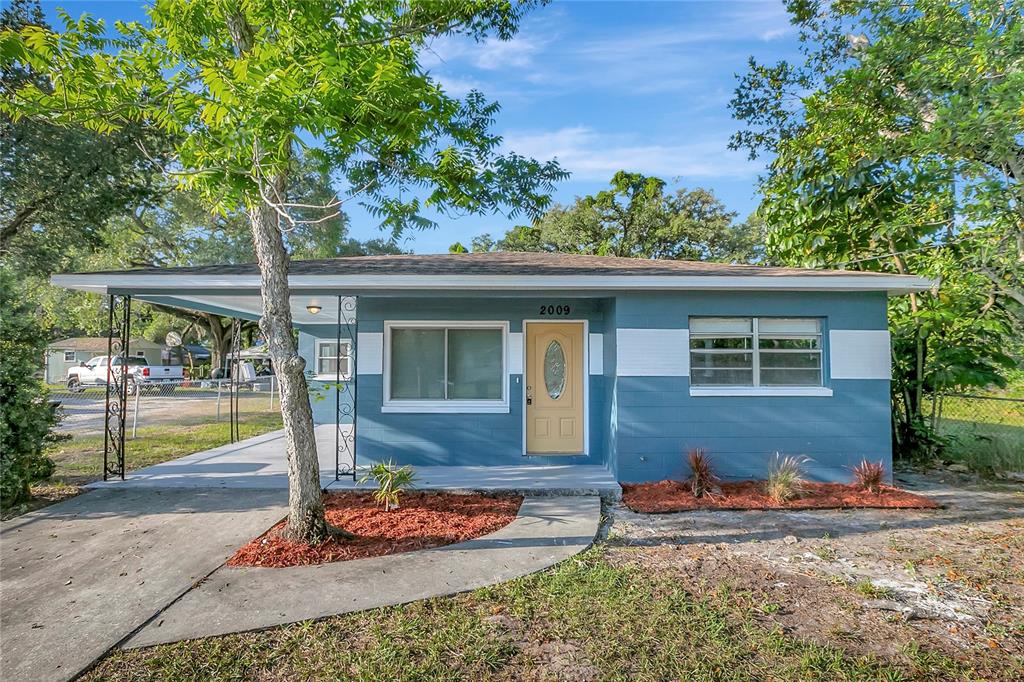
<point x="423" y="520"/>
<point x="674" y="496"/>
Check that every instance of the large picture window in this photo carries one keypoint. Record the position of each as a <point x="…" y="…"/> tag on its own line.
<point x="447" y="366"/>
<point x="755" y="352"/>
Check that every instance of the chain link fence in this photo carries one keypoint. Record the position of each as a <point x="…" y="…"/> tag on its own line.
<point x="186" y="402"/>
<point x="987" y="432"/>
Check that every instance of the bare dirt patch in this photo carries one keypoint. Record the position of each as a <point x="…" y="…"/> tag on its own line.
<point x="674" y="496"/>
<point x="424" y="520"/>
<point x="876" y="582"/>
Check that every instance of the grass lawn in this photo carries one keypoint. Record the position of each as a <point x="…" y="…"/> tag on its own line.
<point x="598" y="616"/>
<point x="80" y="459"/>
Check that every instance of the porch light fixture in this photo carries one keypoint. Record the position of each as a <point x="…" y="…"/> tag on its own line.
<point x="313" y="309"/>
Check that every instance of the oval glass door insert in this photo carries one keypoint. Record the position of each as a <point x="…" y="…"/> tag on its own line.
<point x="554" y="370"/>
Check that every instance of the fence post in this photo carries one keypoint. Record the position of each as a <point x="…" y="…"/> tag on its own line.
<point x="271" y="392"/>
<point x="135" y="413"/>
<point x="219" y="384"/>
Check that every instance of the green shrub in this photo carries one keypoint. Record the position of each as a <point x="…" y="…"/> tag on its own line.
<point x="785" y="477"/>
<point x="391" y="482"/>
<point x="869" y="475"/>
<point x="703" y="479"/>
<point x="26" y="415"/>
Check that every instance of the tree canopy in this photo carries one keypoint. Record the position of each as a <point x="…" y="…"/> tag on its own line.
<point x="638" y="217"/>
<point x="897" y="146"/>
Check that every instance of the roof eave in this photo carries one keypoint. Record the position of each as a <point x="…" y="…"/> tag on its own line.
<point x="151" y="283"/>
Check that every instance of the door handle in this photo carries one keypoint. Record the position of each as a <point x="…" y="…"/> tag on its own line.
<point x="529" y="395"/>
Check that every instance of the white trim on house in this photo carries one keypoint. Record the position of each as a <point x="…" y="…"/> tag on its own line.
<point x="515" y="353"/>
<point x="586" y="389"/>
<point x="445" y="406"/>
<point x="370" y="353"/>
<point x="652" y="352"/>
<point x="860" y="354"/>
<point x="346" y="374"/>
<point x="755" y="391"/>
<point x="175" y="283"/>
<point x="596" y="350"/>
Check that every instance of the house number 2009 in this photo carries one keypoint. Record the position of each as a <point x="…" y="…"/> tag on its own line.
<point x="555" y="310"/>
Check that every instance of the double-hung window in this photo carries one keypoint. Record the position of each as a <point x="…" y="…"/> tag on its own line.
<point x="756" y="352"/>
<point x="328" y="359"/>
<point x="69" y="356"/>
<point x="445" y="367"/>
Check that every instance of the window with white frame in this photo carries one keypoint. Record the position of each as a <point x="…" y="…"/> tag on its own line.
<point x="445" y="365"/>
<point x="69" y="356"/>
<point x="755" y="351"/>
<point x="328" y="357"/>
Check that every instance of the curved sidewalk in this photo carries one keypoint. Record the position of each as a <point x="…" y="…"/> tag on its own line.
<point x="546" y="531"/>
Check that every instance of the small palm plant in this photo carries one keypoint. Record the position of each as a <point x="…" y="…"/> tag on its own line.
<point x="703" y="479"/>
<point x="869" y="475"/>
<point x="785" y="477"/>
<point x="391" y="480"/>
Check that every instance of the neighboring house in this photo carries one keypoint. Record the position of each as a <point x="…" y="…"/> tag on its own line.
<point x="60" y="355"/>
<point x="506" y="358"/>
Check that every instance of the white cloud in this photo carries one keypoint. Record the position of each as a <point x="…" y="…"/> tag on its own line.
<point x="489" y="55"/>
<point x="590" y="155"/>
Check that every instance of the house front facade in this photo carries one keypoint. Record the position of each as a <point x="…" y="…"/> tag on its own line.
<point x="535" y="358"/>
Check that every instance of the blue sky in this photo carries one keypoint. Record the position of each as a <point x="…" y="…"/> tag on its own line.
<point x="601" y="86"/>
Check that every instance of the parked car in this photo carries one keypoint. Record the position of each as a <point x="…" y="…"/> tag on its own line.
<point x="97" y="372"/>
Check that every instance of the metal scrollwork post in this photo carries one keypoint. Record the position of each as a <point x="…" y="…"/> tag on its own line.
<point x="345" y="389"/>
<point x="118" y="333"/>
<point x="233" y="387"/>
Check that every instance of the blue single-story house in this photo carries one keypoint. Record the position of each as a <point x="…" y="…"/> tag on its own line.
<point x="541" y="358"/>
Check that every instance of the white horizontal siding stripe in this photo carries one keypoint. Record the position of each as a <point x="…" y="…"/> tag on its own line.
<point x="860" y="354"/>
<point x="515" y="353"/>
<point x="596" y="350"/>
<point x="370" y="353"/>
<point x="652" y="352"/>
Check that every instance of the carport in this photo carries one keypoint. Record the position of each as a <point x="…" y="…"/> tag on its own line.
<point x="262" y="456"/>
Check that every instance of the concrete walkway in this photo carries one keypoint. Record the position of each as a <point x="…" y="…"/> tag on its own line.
<point x="547" y="530"/>
<point x="81" y="575"/>
<point x="260" y="463"/>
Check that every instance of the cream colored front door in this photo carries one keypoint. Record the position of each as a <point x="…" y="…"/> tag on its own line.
<point x="554" y="388"/>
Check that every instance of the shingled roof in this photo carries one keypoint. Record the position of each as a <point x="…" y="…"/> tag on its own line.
<point x="506" y="263"/>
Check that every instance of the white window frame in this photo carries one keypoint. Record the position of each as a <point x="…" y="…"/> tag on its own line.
<point x="757" y="389"/>
<point x="346" y="374"/>
<point x="445" y="406"/>
<point x="73" y="355"/>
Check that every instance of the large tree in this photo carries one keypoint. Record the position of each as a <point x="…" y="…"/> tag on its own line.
<point x="638" y="217"/>
<point x="245" y="84"/>
<point x="62" y="183"/>
<point x="897" y="146"/>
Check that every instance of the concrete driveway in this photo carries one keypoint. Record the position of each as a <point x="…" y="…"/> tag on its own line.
<point x="80" y="576"/>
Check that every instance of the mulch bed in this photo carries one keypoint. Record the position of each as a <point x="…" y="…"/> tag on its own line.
<point x="675" y="496"/>
<point x="423" y="520"/>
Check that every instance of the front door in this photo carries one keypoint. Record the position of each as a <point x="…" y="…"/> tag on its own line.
<point x="554" y="388"/>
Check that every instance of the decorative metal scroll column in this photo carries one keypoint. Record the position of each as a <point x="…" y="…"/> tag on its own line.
<point x="345" y="389"/>
<point x="234" y="364"/>
<point x="118" y="333"/>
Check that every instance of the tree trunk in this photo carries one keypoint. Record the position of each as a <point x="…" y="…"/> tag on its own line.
<point x="306" y="522"/>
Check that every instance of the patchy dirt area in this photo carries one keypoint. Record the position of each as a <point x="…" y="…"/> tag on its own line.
<point x="873" y="581"/>
<point x="423" y="520"/>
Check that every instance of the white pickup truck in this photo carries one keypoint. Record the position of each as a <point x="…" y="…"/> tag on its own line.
<point x="97" y="372"/>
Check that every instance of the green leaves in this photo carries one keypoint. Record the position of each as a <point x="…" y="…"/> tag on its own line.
<point x="344" y="73"/>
